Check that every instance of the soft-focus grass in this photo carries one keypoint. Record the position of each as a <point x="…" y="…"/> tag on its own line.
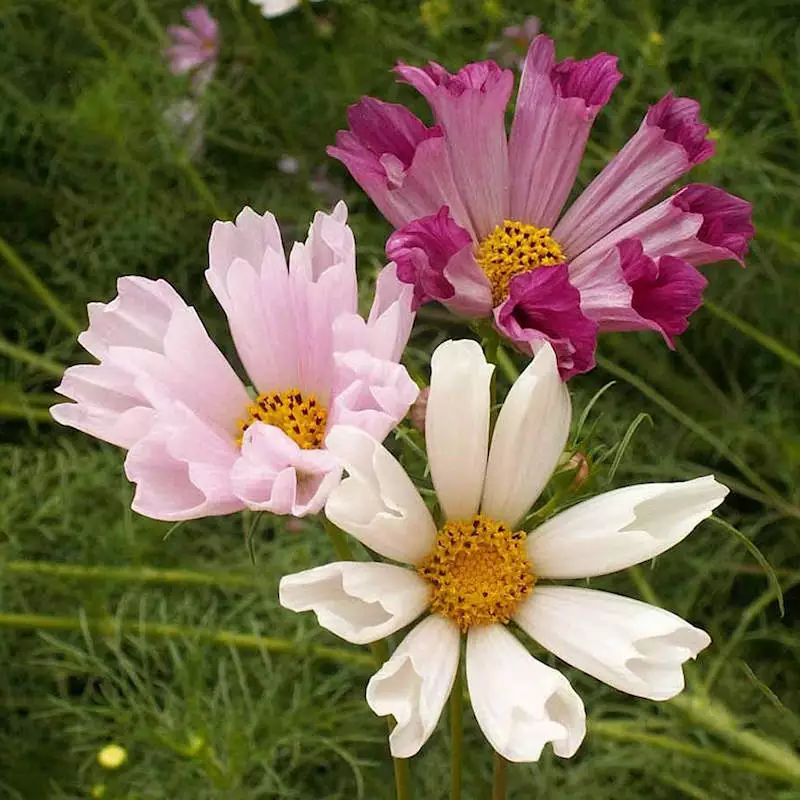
<point x="93" y="186"/>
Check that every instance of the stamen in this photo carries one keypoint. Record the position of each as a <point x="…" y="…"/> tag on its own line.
<point x="513" y="248"/>
<point x="300" y="417"/>
<point x="479" y="572"/>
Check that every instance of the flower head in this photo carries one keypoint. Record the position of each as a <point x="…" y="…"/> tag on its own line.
<point x="509" y="51"/>
<point x="277" y="8"/>
<point x="199" y="441"/>
<point x="481" y="568"/>
<point x="195" y="46"/>
<point x="478" y="212"/>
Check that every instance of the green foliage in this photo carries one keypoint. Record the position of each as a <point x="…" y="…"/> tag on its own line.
<point x="93" y="186"/>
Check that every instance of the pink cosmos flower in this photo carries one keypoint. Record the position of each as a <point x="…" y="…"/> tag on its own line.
<point x="509" y="51"/>
<point x="201" y="443"/>
<point x="478" y="213"/>
<point x="195" y="46"/>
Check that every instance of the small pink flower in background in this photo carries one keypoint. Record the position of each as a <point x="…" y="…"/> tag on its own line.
<point x="199" y="442"/>
<point x="479" y="215"/>
<point x="510" y="50"/>
<point x="195" y="46"/>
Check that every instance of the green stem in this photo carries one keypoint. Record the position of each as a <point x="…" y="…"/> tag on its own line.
<point x="22" y="412"/>
<point x="25" y="356"/>
<point x="773" y="345"/>
<point x="456" y="734"/>
<point x="499" y="780"/>
<point x="621" y="732"/>
<point x="244" y="641"/>
<point x="37" y="288"/>
<point x="102" y="572"/>
<point x="380" y="654"/>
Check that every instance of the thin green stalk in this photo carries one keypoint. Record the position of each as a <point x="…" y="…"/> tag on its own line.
<point x="774" y="498"/>
<point x="11" y="411"/>
<point x="110" y="626"/>
<point x="37" y="288"/>
<point x="103" y="572"/>
<point x="25" y="356"/>
<point x="380" y="654"/>
<point x="773" y="345"/>
<point x="499" y="779"/>
<point x="622" y="732"/>
<point x="456" y="734"/>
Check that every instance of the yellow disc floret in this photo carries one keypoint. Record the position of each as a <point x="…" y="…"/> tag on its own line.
<point x="513" y="248"/>
<point x="299" y="416"/>
<point x="479" y="572"/>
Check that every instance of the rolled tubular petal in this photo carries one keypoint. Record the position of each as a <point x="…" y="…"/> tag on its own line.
<point x="520" y="703"/>
<point x="457" y="425"/>
<point x="528" y="439"/>
<point x="275" y="474"/>
<point x="361" y="602"/>
<point x="470" y="108"/>
<point x="669" y="142"/>
<point x="621" y="528"/>
<point x="700" y="224"/>
<point x="632" y="646"/>
<point x="399" y="162"/>
<point x="414" y="684"/>
<point x="544" y="306"/>
<point x="378" y="503"/>
<point x="556" y="107"/>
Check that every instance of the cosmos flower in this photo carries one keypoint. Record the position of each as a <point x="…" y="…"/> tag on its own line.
<point x="510" y="49"/>
<point x="277" y="8"/>
<point x="480" y="570"/>
<point x="199" y="441"/>
<point x="478" y="213"/>
<point x="195" y="46"/>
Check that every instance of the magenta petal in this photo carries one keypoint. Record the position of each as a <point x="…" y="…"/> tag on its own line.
<point x="470" y="108"/>
<point x="399" y="162"/>
<point x="666" y="292"/>
<point x="422" y="249"/>
<point x="669" y="142"/>
<point x="556" y="106"/>
<point x="544" y="306"/>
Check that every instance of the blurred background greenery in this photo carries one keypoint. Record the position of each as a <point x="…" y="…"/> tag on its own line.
<point x="112" y="631"/>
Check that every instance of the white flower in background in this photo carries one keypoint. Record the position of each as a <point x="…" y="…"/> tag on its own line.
<point x="277" y="8"/>
<point x="480" y="570"/>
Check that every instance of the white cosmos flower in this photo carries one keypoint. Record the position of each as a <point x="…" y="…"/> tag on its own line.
<point x="277" y="8"/>
<point x="479" y="571"/>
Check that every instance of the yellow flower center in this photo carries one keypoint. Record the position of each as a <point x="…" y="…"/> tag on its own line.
<point x="479" y="572"/>
<point x="513" y="248"/>
<point x="299" y="416"/>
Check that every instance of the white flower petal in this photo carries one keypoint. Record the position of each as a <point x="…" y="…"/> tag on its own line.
<point x="528" y="439"/>
<point x="632" y="646"/>
<point x="457" y="425"/>
<point x="520" y="703"/>
<point x="378" y="503"/>
<point x="621" y="528"/>
<point x="359" y="601"/>
<point x="414" y="684"/>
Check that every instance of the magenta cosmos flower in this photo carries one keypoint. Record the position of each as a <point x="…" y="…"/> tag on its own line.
<point x="199" y="441"/>
<point x="195" y="46"/>
<point x="479" y="213"/>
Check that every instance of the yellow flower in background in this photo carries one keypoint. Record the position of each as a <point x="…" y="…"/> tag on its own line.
<point x="112" y="756"/>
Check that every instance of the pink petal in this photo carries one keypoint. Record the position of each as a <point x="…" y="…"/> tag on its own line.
<point x="400" y="163"/>
<point x="199" y="18"/>
<point x="422" y="249"/>
<point x="370" y="393"/>
<point x="700" y="224"/>
<point x="274" y="474"/>
<point x="669" y="142"/>
<point x="182" y="469"/>
<point x="556" y="106"/>
<point x="470" y="107"/>
<point x="107" y="404"/>
<point x="544" y="306"/>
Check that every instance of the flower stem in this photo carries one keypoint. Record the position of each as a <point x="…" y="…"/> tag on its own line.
<point x="499" y="781"/>
<point x="456" y="734"/>
<point x="380" y="654"/>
